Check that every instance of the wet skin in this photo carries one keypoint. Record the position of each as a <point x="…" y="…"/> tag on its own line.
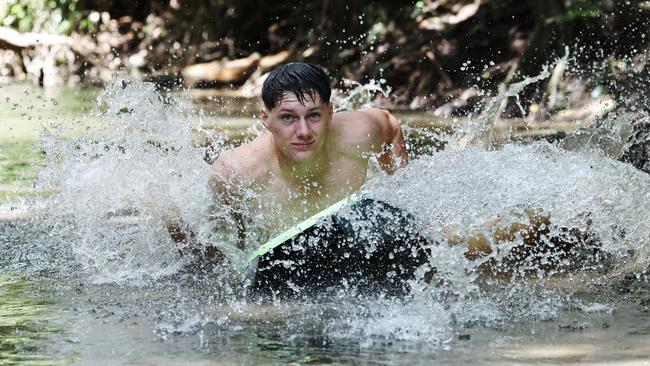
<point x="309" y="158"/>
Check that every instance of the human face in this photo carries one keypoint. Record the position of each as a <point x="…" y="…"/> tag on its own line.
<point x="298" y="129"/>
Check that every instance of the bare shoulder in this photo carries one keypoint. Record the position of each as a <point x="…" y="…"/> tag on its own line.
<point x="364" y="116"/>
<point x="366" y="128"/>
<point x="242" y="165"/>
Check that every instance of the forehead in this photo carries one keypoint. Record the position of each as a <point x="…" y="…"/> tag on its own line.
<point x="290" y="101"/>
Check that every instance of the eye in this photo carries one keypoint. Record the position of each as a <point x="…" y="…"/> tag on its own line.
<point x="315" y="116"/>
<point x="286" y="117"/>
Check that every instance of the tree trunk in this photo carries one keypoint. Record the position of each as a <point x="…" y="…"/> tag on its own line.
<point x="548" y="38"/>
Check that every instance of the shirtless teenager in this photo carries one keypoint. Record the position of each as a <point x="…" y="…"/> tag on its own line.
<point x="309" y="157"/>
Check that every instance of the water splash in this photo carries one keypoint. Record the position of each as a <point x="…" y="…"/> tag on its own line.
<point x="587" y="192"/>
<point x="479" y="130"/>
<point x="358" y="96"/>
<point x="385" y="320"/>
<point x="116" y="184"/>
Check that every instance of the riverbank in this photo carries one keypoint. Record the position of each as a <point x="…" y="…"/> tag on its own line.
<point x="434" y="55"/>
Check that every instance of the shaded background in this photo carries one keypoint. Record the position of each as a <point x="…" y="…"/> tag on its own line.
<point x="446" y="60"/>
<point x="431" y="52"/>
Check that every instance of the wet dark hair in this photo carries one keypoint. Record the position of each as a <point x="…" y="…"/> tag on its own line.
<point x="296" y="77"/>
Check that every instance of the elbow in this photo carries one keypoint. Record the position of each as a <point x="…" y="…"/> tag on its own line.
<point x="394" y="128"/>
<point x="388" y="117"/>
<point x="394" y="123"/>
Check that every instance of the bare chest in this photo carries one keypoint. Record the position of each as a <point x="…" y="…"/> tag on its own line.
<point x="285" y="203"/>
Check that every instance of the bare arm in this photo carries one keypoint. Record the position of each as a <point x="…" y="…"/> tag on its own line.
<point x="222" y="184"/>
<point x="182" y="234"/>
<point x="392" y="153"/>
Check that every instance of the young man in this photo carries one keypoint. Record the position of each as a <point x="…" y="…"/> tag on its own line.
<point x="309" y="157"/>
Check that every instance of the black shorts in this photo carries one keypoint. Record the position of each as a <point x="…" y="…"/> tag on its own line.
<point x="370" y="247"/>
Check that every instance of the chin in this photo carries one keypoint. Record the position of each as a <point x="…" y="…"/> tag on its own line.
<point x="300" y="156"/>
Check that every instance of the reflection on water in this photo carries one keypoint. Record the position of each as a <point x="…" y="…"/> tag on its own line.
<point x="123" y="296"/>
<point x="26" y="324"/>
<point x="114" y="324"/>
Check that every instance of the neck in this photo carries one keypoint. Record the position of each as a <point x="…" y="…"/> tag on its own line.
<point x="303" y="173"/>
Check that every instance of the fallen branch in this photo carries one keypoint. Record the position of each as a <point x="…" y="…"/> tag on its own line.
<point x="11" y="39"/>
<point x="232" y="71"/>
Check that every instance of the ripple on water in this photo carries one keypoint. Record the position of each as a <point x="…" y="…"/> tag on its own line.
<point x="103" y="227"/>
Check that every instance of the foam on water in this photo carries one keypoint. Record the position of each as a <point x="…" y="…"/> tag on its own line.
<point x="472" y="187"/>
<point x="468" y="189"/>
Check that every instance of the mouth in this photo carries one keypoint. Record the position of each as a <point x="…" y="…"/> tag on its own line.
<point x="302" y="145"/>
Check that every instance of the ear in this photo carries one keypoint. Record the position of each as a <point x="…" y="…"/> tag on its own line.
<point x="264" y="117"/>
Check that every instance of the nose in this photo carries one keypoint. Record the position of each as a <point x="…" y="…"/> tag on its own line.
<point x="303" y="129"/>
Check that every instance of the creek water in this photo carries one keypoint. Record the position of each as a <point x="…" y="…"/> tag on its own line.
<point x="88" y="274"/>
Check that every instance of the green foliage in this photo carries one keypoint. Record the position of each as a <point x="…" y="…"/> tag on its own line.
<point x="577" y="9"/>
<point x="417" y="9"/>
<point x="50" y="16"/>
<point x="88" y="25"/>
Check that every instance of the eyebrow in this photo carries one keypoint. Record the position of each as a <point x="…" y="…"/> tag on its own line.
<point x="293" y="111"/>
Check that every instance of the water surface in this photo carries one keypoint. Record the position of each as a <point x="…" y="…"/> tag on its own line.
<point x="89" y="275"/>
